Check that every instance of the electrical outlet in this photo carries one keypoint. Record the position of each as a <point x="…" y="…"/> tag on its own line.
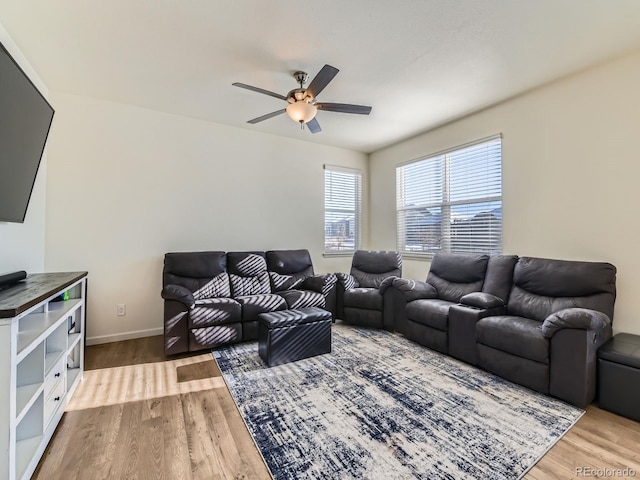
<point x="121" y="310"/>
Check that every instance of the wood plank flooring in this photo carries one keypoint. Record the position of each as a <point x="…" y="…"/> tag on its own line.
<point x="137" y="415"/>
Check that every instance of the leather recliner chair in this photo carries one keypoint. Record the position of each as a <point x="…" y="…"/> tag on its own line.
<point x="198" y="309"/>
<point x="423" y="309"/>
<point x="557" y="316"/>
<point x="363" y="296"/>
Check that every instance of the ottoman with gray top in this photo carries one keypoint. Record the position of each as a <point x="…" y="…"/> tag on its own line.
<point x="290" y="335"/>
<point x="619" y="375"/>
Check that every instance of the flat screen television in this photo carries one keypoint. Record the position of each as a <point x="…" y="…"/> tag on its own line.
<point x="25" y="119"/>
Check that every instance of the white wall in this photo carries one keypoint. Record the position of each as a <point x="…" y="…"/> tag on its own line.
<point x="126" y="185"/>
<point x="22" y="244"/>
<point x="571" y="165"/>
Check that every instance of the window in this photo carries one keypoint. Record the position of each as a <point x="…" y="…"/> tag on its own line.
<point x="452" y="201"/>
<point x="342" y="209"/>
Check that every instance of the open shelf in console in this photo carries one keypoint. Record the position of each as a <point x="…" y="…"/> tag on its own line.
<point x="29" y="432"/>
<point x="29" y="378"/>
<point x="56" y="347"/>
<point x="39" y="324"/>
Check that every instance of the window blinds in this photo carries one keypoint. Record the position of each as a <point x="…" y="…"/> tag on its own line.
<point x="452" y="201"/>
<point x="342" y="209"/>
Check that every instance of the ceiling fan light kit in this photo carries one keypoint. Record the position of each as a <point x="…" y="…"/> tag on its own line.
<point x="301" y="112"/>
<point x="302" y="106"/>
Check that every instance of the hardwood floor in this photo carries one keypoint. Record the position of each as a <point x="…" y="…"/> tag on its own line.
<point x="137" y="415"/>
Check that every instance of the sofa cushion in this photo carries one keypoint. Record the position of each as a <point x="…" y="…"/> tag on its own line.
<point x="193" y="270"/>
<point x="368" y="298"/>
<point x="214" y="311"/>
<point x="194" y="264"/>
<point x="370" y="268"/>
<point x="542" y="286"/>
<point x="430" y="312"/>
<point x="242" y="286"/>
<point x="252" y="305"/>
<point x="303" y="298"/>
<point x="288" y="268"/>
<point x="454" y="276"/>
<point x="287" y="262"/>
<point x="248" y="273"/>
<point x="516" y="335"/>
<point x="218" y="286"/>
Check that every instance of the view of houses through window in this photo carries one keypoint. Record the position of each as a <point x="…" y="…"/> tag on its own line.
<point x="452" y="201"/>
<point x="342" y="209"/>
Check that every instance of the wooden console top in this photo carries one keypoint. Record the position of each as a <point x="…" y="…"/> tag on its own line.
<point x="33" y="290"/>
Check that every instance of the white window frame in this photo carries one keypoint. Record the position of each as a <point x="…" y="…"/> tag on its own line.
<point x="443" y="204"/>
<point x="355" y="211"/>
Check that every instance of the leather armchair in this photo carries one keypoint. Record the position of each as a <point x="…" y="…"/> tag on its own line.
<point x="363" y="296"/>
<point x="557" y="316"/>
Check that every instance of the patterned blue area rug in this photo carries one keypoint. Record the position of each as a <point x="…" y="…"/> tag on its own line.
<point x="382" y="407"/>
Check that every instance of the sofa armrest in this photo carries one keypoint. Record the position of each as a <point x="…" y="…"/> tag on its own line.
<point x="575" y="335"/>
<point x="386" y="284"/>
<point x="577" y="318"/>
<point x="320" y="283"/>
<point x="414" y="290"/>
<point x="481" y="300"/>
<point x="346" y="281"/>
<point x="179" y="294"/>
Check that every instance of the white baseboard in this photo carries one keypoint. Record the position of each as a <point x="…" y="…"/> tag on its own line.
<point x="124" y="336"/>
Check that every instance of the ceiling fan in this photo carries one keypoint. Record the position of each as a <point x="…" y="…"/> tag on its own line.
<point x="303" y="104"/>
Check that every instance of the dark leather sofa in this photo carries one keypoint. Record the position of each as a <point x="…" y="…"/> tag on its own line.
<point x="537" y="322"/>
<point x="214" y="298"/>
<point x="363" y="296"/>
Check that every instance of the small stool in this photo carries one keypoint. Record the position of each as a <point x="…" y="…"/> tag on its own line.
<point x="619" y="375"/>
<point x="290" y="335"/>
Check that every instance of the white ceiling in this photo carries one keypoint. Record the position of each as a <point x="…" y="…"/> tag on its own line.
<point x="418" y="63"/>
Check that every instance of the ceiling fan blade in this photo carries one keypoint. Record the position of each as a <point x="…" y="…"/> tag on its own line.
<point x="260" y="90"/>
<point x="268" y="116"/>
<point x="322" y="79"/>
<point x="344" y="108"/>
<point x="314" y="126"/>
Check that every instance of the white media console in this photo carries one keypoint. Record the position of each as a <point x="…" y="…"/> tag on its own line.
<point x="42" y="334"/>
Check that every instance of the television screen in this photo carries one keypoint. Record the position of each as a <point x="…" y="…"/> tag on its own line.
<point x="25" y="119"/>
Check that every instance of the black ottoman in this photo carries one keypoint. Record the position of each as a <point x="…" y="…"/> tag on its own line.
<point x="290" y="335"/>
<point x="619" y="375"/>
